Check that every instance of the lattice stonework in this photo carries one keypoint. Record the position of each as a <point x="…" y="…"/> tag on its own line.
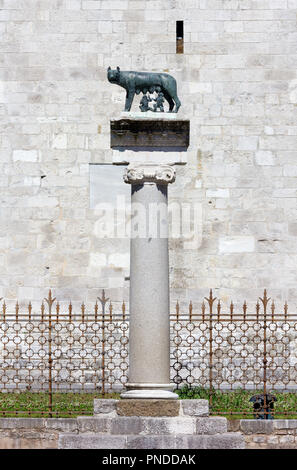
<point x="47" y="356"/>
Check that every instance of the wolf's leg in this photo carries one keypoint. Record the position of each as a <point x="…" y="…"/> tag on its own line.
<point x="177" y="103"/>
<point x="129" y="99"/>
<point x="170" y="100"/>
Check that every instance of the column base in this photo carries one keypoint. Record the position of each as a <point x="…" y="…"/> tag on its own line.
<point x="149" y="391"/>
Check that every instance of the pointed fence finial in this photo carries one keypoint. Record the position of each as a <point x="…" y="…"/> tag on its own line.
<point x="210" y="300"/>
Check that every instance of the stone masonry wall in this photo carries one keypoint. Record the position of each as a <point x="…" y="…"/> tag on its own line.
<point x="267" y="434"/>
<point x="237" y="81"/>
<point x="43" y="433"/>
<point x="34" y="433"/>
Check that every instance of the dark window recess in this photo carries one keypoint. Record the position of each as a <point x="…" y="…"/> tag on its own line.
<point x="179" y="37"/>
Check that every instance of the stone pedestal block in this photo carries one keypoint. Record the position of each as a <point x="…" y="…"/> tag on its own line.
<point x="140" y="133"/>
<point x="133" y="424"/>
<point x="148" y="407"/>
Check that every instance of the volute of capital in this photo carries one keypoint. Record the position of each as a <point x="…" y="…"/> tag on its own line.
<point x="159" y="174"/>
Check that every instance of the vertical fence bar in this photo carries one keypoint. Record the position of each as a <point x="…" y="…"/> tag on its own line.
<point x="4" y="311"/>
<point x="124" y="311"/>
<point x="30" y="310"/>
<point x="210" y="301"/>
<point x="265" y="301"/>
<point x="50" y="360"/>
<point x="50" y="300"/>
<point x="42" y="312"/>
<point x="177" y="363"/>
<point x="190" y="340"/>
<point x="103" y="301"/>
<point x="70" y="312"/>
<point x="96" y="311"/>
<point x="17" y="312"/>
<point x="57" y="312"/>
<point x="123" y="343"/>
<point x="244" y="308"/>
<point x="103" y="349"/>
<point x="83" y="312"/>
<point x="219" y="311"/>
<point x="210" y="353"/>
<point x="265" y="362"/>
<point x="110" y="312"/>
<point x="286" y="311"/>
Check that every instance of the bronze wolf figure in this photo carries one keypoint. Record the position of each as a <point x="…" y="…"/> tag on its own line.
<point x="136" y="82"/>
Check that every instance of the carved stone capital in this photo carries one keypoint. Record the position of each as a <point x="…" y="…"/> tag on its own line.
<point x="142" y="173"/>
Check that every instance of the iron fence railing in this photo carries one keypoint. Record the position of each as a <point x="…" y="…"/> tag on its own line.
<point x="56" y="361"/>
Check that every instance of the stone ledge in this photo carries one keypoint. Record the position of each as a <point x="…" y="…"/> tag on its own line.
<point x="284" y="424"/>
<point x="91" y="441"/>
<point x="146" y="425"/>
<point x="259" y="426"/>
<point x="256" y="426"/>
<point x="138" y="425"/>
<point x="61" y="424"/>
<point x="22" y="423"/>
<point x="177" y="441"/>
<point x="156" y="408"/>
<point x="215" y="441"/>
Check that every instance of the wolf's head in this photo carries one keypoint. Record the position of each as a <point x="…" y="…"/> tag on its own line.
<point x="113" y="75"/>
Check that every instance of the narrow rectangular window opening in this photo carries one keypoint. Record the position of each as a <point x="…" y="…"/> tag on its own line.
<point x="179" y="37"/>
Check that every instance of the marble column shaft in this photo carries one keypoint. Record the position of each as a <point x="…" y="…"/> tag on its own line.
<point x="149" y="343"/>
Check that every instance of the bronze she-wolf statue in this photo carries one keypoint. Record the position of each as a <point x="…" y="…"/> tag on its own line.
<point x="136" y="82"/>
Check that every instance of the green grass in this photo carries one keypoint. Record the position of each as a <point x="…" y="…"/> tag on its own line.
<point x="235" y="404"/>
<point x="64" y="405"/>
<point x="232" y="404"/>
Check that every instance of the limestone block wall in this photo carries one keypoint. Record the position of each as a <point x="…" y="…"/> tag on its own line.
<point x="34" y="433"/>
<point x="43" y="433"/>
<point x="266" y="434"/>
<point x="237" y="82"/>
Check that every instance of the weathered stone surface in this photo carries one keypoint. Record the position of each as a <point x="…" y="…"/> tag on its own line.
<point x="127" y="425"/>
<point x="22" y="443"/>
<point x="148" y="407"/>
<point x="149" y="133"/>
<point x="216" y="441"/>
<point x="195" y="407"/>
<point x="151" y="442"/>
<point x="105" y="406"/>
<point x="62" y="424"/>
<point x="256" y="426"/>
<point x="34" y="433"/>
<point x="238" y="244"/>
<point x="274" y="434"/>
<point x="211" y="425"/>
<point x="95" y="441"/>
<point x="22" y="423"/>
<point x="285" y="424"/>
<point x="226" y="441"/>
<point x="233" y="425"/>
<point x="178" y="425"/>
<point x="146" y="432"/>
<point x="93" y="424"/>
<point x="91" y="441"/>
